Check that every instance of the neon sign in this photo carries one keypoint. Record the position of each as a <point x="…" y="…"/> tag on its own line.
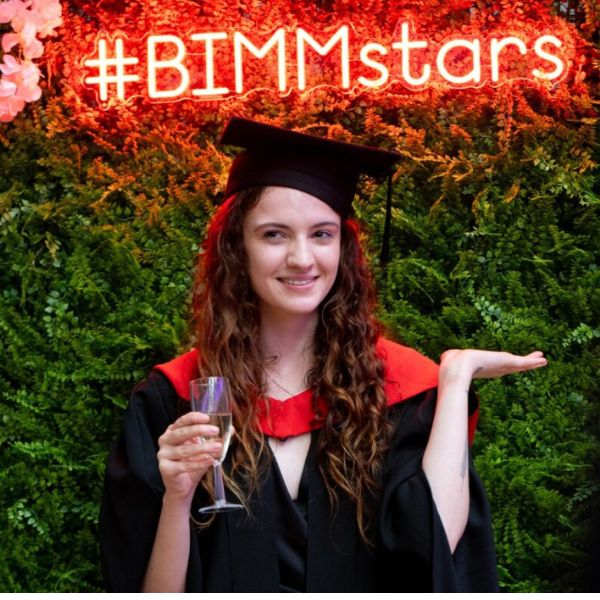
<point x="169" y="66"/>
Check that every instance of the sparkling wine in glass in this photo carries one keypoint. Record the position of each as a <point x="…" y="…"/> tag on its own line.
<point x="212" y="396"/>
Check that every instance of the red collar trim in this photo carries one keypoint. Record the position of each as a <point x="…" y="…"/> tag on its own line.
<point x="407" y="373"/>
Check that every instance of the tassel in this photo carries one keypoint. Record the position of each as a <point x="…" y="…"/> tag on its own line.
<point x="385" y="244"/>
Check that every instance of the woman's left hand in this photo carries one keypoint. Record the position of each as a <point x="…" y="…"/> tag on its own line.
<point x="480" y="364"/>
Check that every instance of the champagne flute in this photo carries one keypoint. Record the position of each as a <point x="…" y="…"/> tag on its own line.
<point x="212" y="396"/>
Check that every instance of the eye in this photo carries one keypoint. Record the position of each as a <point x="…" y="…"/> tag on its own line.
<point x="273" y="234"/>
<point x="324" y="234"/>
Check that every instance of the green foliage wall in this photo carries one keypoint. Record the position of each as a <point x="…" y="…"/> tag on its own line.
<point x="496" y="241"/>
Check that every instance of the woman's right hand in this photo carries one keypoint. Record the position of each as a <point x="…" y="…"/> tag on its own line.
<point x="183" y="457"/>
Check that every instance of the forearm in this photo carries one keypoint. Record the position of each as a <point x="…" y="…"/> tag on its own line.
<point x="167" y="568"/>
<point x="446" y="459"/>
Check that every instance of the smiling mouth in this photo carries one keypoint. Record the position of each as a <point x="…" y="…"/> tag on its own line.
<point x="297" y="281"/>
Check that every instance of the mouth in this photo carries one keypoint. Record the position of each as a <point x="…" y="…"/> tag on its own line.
<point x="297" y="281"/>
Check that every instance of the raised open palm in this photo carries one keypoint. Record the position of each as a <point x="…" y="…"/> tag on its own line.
<point x="483" y="364"/>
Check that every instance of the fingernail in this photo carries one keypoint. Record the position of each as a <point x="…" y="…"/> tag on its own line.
<point x="213" y="430"/>
<point x="215" y="446"/>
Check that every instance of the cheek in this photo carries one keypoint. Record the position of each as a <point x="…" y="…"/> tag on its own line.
<point x="262" y="262"/>
<point x="336" y="255"/>
<point x="331" y="262"/>
<point x="337" y="263"/>
<point x="255" y="279"/>
<point x="253" y="269"/>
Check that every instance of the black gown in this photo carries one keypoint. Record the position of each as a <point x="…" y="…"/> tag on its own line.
<point x="315" y="550"/>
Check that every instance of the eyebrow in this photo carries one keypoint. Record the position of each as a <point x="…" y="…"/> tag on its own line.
<point x="284" y="226"/>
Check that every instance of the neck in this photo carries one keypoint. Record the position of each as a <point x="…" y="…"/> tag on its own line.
<point x="287" y="340"/>
<point x="287" y="349"/>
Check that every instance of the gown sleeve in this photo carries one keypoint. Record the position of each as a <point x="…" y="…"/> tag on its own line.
<point x="133" y="488"/>
<point x="416" y="555"/>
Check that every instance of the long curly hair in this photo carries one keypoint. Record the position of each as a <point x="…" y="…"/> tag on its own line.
<point x="347" y="372"/>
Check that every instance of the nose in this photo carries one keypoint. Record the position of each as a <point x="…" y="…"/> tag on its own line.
<point x="300" y="254"/>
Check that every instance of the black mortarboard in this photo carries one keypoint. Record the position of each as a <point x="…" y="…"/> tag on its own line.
<point x="324" y="168"/>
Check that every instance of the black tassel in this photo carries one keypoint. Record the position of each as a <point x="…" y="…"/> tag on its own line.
<point x="385" y="244"/>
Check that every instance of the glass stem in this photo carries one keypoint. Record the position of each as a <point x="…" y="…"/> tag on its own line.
<point x="218" y="480"/>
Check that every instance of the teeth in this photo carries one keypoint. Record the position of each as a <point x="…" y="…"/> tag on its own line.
<point x="297" y="281"/>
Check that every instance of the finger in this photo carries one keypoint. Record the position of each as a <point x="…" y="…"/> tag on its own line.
<point x="187" y="420"/>
<point x="190" y="418"/>
<point x="205" y="433"/>
<point x="535" y="360"/>
<point x="175" y="436"/>
<point x="526" y="366"/>
<point x="188" y="451"/>
<point x="534" y="355"/>
<point x="514" y="364"/>
<point x="196" y="466"/>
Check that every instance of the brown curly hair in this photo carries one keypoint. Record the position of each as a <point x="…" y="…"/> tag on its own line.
<point x="347" y="372"/>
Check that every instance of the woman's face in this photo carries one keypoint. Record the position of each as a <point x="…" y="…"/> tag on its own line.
<point x="292" y="241"/>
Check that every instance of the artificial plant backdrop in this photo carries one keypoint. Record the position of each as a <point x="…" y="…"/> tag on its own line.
<point x="495" y="244"/>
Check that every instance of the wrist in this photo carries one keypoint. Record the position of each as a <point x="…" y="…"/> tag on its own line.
<point x="455" y="377"/>
<point x="456" y="367"/>
<point x="454" y="381"/>
<point x="176" y="503"/>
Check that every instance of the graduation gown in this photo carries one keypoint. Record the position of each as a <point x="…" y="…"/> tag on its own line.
<point x="243" y="552"/>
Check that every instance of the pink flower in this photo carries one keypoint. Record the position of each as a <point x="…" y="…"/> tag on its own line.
<point x="10" y="65"/>
<point x="29" y="20"/>
<point x="48" y="16"/>
<point x="27" y="83"/>
<point x="44" y="15"/>
<point x="11" y="9"/>
<point x="10" y="107"/>
<point x="24" y="77"/>
<point x="32" y="47"/>
<point x="7" y="88"/>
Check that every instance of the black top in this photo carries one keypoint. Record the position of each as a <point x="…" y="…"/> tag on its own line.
<point x="292" y="530"/>
<point x="241" y="552"/>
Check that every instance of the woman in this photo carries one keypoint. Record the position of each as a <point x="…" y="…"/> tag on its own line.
<point x="351" y="452"/>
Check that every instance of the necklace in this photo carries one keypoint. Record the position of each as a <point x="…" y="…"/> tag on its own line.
<point x="290" y="394"/>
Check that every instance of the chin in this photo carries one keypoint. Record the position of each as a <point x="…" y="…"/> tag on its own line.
<point x="300" y="309"/>
<point x="292" y="309"/>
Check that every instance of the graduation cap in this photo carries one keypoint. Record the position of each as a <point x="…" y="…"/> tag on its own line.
<point x="327" y="169"/>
